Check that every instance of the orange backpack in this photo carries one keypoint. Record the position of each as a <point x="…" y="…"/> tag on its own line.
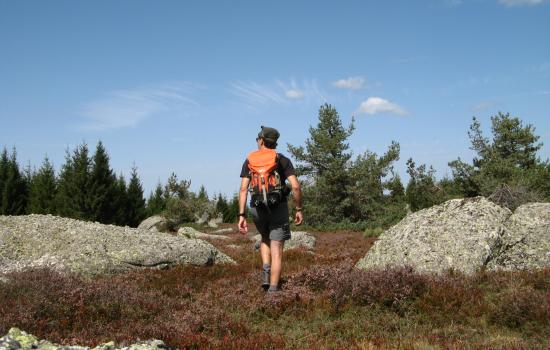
<point x="265" y="183"/>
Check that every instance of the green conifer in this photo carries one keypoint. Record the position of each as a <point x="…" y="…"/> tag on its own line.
<point x="15" y="189"/>
<point x="156" y="203"/>
<point x="136" y="202"/>
<point x="102" y="187"/>
<point x="43" y="189"/>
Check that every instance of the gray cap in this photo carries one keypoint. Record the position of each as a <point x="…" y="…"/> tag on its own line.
<point x="269" y="134"/>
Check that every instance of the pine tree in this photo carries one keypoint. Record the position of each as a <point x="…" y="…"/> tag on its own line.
<point x="422" y="190"/>
<point x="102" y="187"/>
<point x="136" y="202"/>
<point x="509" y="158"/>
<point x="366" y="191"/>
<point x="15" y="189"/>
<point x="324" y="162"/>
<point x="156" y="203"/>
<point x="43" y="189"/>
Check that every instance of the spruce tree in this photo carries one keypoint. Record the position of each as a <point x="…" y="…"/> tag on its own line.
<point x="73" y="196"/>
<point x="156" y="203"/>
<point x="4" y="164"/>
<point x="102" y="187"/>
<point x="43" y="189"/>
<point x="120" y="202"/>
<point x="135" y="200"/>
<point x="15" y="189"/>
<point x="223" y="207"/>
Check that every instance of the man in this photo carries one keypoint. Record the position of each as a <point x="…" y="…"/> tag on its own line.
<point x="270" y="217"/>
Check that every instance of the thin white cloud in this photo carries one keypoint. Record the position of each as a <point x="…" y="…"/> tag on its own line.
<point x="352" y="83"/>
<point x="511" y="3"/>
<point x="128" y="108"/>
<point x="291" y="90"/>
<point x="374" y="105"/>
<point x="255" y="93"/>
<point x="294" y="94"/>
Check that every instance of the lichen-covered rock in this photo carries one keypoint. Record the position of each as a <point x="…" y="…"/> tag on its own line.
<point x="155" y="223"/>
<point x="92" y="248"/>
<point x="459" y="234"/>
<point x="20" y="340"/>
<point x="525" y="243"/>
<point x="299" y="239"/>
<point x="190" y="232"/>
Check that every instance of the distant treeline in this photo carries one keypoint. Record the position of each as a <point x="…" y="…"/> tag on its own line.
<point x="87" y="188"/>
<point x="340" y="191"/>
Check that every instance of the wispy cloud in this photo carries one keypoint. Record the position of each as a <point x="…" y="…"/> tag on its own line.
<point x="511" y="3"/>
<point x="255" y="93"/>
<point x="294" y="94"/>
<point x="279" y="92"/>
<point x="374" y="105"/>
<point x="128" y="108"/>
<point x="352" y="83"/>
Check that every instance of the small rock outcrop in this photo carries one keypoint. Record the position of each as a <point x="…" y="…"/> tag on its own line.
<point x="20" y="340"/>
<point x="155" y="223"/>
<point x="459" y="234"/>
<point x="299" y="239"/>
<point x="190" y="232"/>
<point x="92" y="248"/>
<point x="525" y="243"/>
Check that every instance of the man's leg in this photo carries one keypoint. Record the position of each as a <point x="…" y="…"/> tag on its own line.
<point x="265" y="252"/>
<point x="276" y="262"/>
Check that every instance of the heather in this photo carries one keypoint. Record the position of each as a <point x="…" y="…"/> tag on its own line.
<point x="325" y="303"/>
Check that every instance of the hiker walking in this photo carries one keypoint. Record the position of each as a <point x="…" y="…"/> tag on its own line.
<point x="264" y="174"/>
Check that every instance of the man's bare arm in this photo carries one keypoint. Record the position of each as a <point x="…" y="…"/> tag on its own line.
<point x="297" y="193"/>
<point x="243" y="193"/>
<point x="296" y="190"/>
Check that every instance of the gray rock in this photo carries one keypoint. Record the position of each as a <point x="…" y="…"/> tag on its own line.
<point x="525" y="243"/>
<point x="459" y="234"/>
<point x="203" y="219"/>
<point x="190" y="232"/>
<point x="92" y="248"/>
<point x="20" y="340"/>
<point x="223" y="231"/>
<point x="299" y="239"/>
<point x="155" y="223"/>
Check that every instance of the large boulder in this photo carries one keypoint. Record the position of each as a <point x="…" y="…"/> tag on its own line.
<point x="155" y="223"/>
<point x="525" y="243"/>
<point x="459" y="234"/>
<point x="92" y="248"/>
<point x="298" y="239"/>
<point x="17" y="339"/>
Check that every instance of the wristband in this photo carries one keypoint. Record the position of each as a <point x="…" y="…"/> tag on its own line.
<point x="241" y="214"/>
<point x="299" y="209"/>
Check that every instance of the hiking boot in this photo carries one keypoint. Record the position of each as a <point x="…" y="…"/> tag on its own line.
<point x="265" y="279"/>
<point x="274" y="289"/>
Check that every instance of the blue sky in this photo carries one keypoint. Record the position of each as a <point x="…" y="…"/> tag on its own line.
<point x="183" y="86"/>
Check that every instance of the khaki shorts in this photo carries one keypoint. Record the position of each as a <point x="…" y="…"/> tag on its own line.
<point x="274" y="225"/>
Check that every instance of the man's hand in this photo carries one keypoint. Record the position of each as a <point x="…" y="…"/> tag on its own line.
<point x="243" y="226"/>
<point x="298" y="218"/>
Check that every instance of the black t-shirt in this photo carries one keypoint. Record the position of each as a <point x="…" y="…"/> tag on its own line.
<point x="284" y="168"/>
